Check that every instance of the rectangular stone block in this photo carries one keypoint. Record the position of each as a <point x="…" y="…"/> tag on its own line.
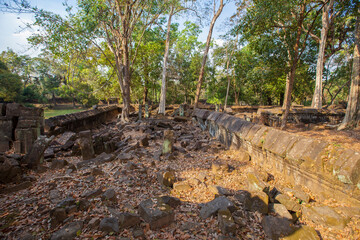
<point x="17" y="146"/>
<point x="27" y="124"/>
<point x="279" y="142"/>
<point x="5" y="129"/>
<point x="4" y="146"/>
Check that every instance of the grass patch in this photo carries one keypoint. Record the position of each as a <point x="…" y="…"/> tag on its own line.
<point x="48" y="113"/>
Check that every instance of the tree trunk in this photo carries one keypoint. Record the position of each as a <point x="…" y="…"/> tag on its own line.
<point x="206" y="51"/>
<point x="54" y="98"/>
<point x="317" y="98"/>
<point x="163" y="80"/>
<point x="290" y="78"/>
<point x="352" y="115"/>
<point x="145" y="93"/>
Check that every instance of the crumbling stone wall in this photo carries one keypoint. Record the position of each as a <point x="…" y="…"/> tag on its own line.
<point x="19" y="127"/>
<point x="327" y="170"/>
<point x="81" y="120"/>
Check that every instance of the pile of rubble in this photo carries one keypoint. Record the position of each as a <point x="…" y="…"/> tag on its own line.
<point x="160" y="179"/>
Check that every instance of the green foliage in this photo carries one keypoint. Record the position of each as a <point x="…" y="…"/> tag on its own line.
<point x="10" y="84"/>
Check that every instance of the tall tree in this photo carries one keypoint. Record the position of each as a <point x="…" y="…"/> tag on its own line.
<point x="352" y="115"/>
<point x="206" y="51"/>
<point x="326" y="21"/>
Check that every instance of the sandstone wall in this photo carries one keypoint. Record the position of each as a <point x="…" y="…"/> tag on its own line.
<point x="327" y="170"/>
<point x="81" y="120"/>
<point x="19" y="126"/>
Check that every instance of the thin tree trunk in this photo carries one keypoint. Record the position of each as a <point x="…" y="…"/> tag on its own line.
<point x="206" y="51"/>
<point x="227" y="73"/>
<point x="352" y="115"/>
<point x="290" y="78"/>
<point x="145" y="93"/>
<point x="163" y="80"/>
<point x="317" y="98"/>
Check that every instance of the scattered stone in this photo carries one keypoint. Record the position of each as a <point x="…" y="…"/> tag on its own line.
<point x="58" y="163"/>
<point x="94" y="223"/>
<point x="54" y="196"/>
<point x="9" y="170"/>
<point x="280" y="210"/>
<point x="36" y="154"/>
<point x="168" y="142"/>
<point x="166" y="178"/>
<point x="289" y="203"/>
<point x="325" y="215"/>
<point x="124" y="157"/>
<point x="92" y="193"/>
<point x="109" y="195"/>
<point x="217" y="190"/>
<point x="128" y="220"/>
<point x="303" y="232"/>
<point x="181" y="186"/>
<point x="298" y="193"/>
<point x="211" y="208"/>
<point x="70" y="231"/>
<point x="71" y="209"/>
<point x="65" y="138"/>
<point x="97" y="172"/>
<point x="219" y="168"/>
<point x="156" y="213"/>
<point x="57" y="215"/>
<point x="226" y="222"/>
<point x="101" y="159"/>
<point x="171" y="201"/>
<point x="16" y="188"/>
<point x="255" y="184"/>
<point x="138" y="233"/>
<point x="258" y="203"/>
<point x="49" y="153"/>
<point x="84" y="204"/>
<point x="130" y="166"/>
<point x="86" y="145"/>
<point x="276" y="228"/>
<point x="66" y="202"/>
<point x="109" y="225"/>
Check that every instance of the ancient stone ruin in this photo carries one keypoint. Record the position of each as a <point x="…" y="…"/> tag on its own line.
<point x="19" y="127"/>
<point x="204" y="175"/>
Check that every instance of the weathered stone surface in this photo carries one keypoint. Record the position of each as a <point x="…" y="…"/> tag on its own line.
<point x="92" y="193"/>
<point x="171" y="201"/>
<point x="109" y="225"/>
<point x="280" y="210"/>
<point x="217" y="190"/>
<point x="109" y="195"/>
<point x="16" y="188"/>
<point x="68" y="232"/>
<point x="124" y="157"/>
<point x="58" y="163"/>
<point x="168" y="142"/>
<point x="166" y="178"/>
<point x="275" y="228"/>
<point x="258" y="202"/>
<point x="97" y="172"/>
<point x="325" y="215"/>
<point x="303" y="232"/>
<point x="101" y="159"/>
<point x="181" y="186"/>
<point x="65" y="138"/>
<point x="36" y="154"/>
<point x="126" y="219"/>
<point x="279" y="142"/>
<point x="226" y="222"/>
<point x="298" y="193"/>
<point x="9" y="170"/>
<point x="219" y="168"/>
<point x="94" y="223"/>
<point x="57" y="215"/>
<point x="84" y="204"/>
<point x="211" y="208"/>
<point x="86" y="145"/>
<point x="156" y="213"/>
<point x="289" y="203"/>
<point x="255" y="183"/>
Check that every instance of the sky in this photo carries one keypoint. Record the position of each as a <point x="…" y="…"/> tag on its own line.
<point x="13" y="35"/>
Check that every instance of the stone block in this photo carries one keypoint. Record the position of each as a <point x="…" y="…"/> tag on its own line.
<point x="303" y="232"/>
<point x="325" y="216"/>
<point x="258" y="202"/>
<point x="275" y="228"/>
<point x="4" y="146"/>
<point x="36" y="153"/>
<point x="279" y="142"/>
<point x="347" y="166"/>
<point x="226" y="222"/>
<point x="17" y="146"/>
<point x="211" y="208"/>
<point x="280" y="210"/>
<point x="86" y="145"/>
<point x="259" y="136"/>
<point x="289" y="203"/>
<point x="6" y="128"/>
<point x="156" y="213"/>
<point x="307" y="152"/>
<point x="25" y="123"/>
